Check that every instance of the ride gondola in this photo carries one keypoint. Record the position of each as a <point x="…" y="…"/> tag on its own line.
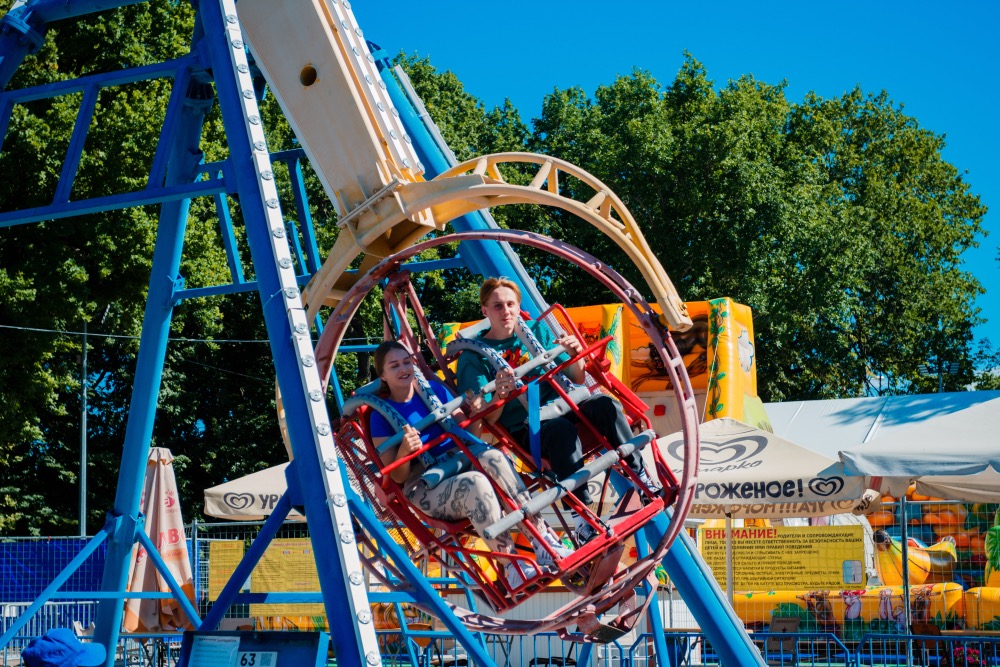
<point x="593" y="570"/>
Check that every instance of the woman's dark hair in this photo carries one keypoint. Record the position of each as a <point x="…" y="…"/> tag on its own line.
<point x="382" y="350"/>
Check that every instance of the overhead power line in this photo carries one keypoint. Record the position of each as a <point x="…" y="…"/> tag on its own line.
<point x="92" y="334"/>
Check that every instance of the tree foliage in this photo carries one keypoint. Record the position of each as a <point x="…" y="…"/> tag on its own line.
<point x="94" y="271"/>
<point x="837" y="220"/>
<point x="59" y="275"/>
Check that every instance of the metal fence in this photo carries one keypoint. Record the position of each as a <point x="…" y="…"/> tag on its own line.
<point x="28" y="565"/>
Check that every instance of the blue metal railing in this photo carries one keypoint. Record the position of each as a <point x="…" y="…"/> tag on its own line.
<point x="423" y="648"/>
<point x="957" y="650"/>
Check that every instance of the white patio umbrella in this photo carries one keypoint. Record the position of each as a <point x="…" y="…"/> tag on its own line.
<point x="747" y="472"/>
<point x="249" y="498"/>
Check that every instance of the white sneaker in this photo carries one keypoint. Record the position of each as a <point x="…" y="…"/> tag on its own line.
<point x="651" y="484"/>
<point x="543" y="557"/>
<point x="514" y="578"/>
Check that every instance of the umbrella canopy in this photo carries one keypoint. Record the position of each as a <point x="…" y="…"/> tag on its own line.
<point x="249" y="498"/>
<point x="953" y="454"/>
<point x="746" y="472"/>
<point x="165" y="528"/>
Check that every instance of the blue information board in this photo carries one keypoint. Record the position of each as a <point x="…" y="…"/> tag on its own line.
<point x="254" y="649"/>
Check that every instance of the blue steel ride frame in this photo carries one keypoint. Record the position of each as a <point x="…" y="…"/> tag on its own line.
<point x="322" y="484"/>
<point x="319" y="482"/>
<point x="316" y="481"/>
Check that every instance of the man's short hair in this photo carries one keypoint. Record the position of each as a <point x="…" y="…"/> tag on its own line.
<point x="490" y="285"/>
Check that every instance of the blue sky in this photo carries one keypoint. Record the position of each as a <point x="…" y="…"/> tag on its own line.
<point x="940" y="60"/>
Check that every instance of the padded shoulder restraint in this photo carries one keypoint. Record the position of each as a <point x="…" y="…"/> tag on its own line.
<point x="433" y="403"/>
<point x="494" y="359"/>
<point x="396" y="420"/>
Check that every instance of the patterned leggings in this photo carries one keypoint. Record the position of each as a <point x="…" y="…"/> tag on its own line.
<point x="470" y="495"/>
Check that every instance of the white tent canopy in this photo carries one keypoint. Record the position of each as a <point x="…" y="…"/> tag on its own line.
<point x="948" y="443"/>
<point x="952" y="455"/>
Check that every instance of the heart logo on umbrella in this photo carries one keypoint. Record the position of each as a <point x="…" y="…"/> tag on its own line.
<point x="826" y="486"/>
<point x="238" y="501"/>
<point x="717" y="453"/>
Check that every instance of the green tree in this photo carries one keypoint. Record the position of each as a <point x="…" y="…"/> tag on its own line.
<point x="216" y="403"/>
<point x="906" y="216"/>
<point x="60" y="274"/>
<point x="838" y="221"/>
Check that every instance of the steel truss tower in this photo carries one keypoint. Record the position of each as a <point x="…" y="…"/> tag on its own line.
<point x="217" y="69"/>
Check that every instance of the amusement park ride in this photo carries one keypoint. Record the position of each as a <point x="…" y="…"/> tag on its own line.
<point x="392" y="182"/>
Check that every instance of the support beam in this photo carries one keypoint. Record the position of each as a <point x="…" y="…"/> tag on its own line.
<point x="318" y="480"/>
<point x="184" y="161"/>
<point x="692" y="578"/>
<point x="23" y="28"/>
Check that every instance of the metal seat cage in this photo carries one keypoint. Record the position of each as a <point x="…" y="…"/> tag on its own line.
<point x="399" y="297"/>
<point x="597" y="367"/>
<point x="399" y="292"/>
<point x="448" y="542"/>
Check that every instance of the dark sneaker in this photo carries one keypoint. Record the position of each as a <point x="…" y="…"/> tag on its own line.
<point x="584" y="533"/>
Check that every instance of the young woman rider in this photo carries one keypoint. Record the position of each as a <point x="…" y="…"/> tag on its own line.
<point x="466" y="494"/>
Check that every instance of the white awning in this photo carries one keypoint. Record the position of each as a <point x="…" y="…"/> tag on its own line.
<point x="948" y="443"/>
<point x="249" y="498"/>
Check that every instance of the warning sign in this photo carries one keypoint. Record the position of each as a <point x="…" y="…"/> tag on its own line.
<point x="787" y="558"/>
<point x="223" y="558"/>
<point x="287" y="566"/>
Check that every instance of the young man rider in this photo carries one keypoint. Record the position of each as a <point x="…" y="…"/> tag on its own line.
<point x="500" y="300"/>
